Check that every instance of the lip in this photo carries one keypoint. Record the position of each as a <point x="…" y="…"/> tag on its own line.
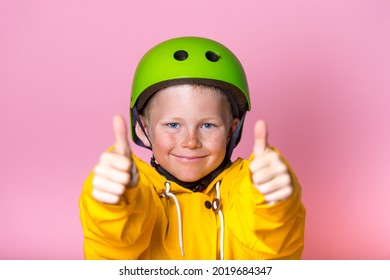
<point x="189" y="158"/>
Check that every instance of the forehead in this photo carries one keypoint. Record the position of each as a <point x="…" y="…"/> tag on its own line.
<point x="179" y="94"/>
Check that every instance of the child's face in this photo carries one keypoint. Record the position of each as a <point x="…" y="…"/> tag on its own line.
<point x="189" y="128"/>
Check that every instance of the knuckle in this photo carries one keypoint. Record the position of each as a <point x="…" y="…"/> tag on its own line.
<point x="122" y="163"/>
<point x="263" y="188"/>
<point x="113" y="199"/>
<point x="96" y="181"/>
<point x="256" y="178"/>
<point x="274" y="156"/>
<point x="126" y="178"/>
<point x="96" y="194"/>
<point x="97" y="169"/>
<point x="283" y="167"/>
<point x="105" y="158"/>
<point x="127" y="164"/>
<point x="288" y="192"/>
<point x="120" y="189"/>
<point x="252" y="166"/>
<point x="105" y="197"/>
<point x="285" y="179"/>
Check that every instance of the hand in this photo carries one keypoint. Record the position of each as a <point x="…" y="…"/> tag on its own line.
<point x="270" y="174"/>
<point x="112" y="175"/>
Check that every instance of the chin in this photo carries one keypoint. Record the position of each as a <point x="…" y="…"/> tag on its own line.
<point x="189" y="179"/>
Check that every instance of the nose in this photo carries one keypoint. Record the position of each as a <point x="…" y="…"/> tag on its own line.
<point x="191" y="139"/>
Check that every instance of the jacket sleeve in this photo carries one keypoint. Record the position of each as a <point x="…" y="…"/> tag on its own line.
<point x="273" y="231"/>
<point x="120" y="231"/>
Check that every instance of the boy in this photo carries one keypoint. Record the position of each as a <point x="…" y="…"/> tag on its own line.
<point x="189" y="100"/>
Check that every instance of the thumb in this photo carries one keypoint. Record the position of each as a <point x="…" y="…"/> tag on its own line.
<point x="261" y="138"/>
<point x="122" y="145"/>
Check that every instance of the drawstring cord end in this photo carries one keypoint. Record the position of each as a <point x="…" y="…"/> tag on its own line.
<point x="179" y="225"/>
<point x="217" y="205"/>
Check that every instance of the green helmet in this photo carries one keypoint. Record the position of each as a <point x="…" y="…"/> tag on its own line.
<point x="189" y="60"/>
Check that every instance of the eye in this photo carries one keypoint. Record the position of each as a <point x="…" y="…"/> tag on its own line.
<point x="173" y="125"/>
<point x="207" y="125"/>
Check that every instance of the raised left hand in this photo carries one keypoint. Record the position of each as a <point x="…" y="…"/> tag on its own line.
<point x="270" y="174"/>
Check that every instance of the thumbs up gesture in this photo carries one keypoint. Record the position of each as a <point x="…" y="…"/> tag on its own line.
<point x="112" y="175"/>
<point x="269" y="173"/>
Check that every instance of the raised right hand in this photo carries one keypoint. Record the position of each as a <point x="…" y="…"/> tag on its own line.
<point x="112" y="175"/>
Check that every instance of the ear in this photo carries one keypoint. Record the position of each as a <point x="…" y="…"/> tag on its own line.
<point x="140" y="132"/>
<point x="233" y="126"/>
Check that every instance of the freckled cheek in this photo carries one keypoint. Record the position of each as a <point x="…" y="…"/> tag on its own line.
<point x="216" y="143"/>
<point x="165" y="143"/>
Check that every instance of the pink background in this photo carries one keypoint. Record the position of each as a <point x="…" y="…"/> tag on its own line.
<point x="319" y="73"/>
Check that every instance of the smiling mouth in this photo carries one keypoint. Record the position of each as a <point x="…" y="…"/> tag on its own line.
<point x="189" y="158"/>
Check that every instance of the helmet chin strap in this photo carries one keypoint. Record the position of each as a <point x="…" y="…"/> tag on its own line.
<point x="136" y="117"/>
<point x="201" y="184"/>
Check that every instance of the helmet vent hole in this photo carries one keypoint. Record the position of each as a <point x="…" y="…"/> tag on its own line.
<point x="180" y="55"/>
<point x="212" y="56"/>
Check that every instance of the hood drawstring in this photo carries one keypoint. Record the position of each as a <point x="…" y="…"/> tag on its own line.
<point x="167" y="192"/>
<point x="216" y="207"/>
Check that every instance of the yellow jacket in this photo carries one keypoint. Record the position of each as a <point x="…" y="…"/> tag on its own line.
<point x="162" y="220"/>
